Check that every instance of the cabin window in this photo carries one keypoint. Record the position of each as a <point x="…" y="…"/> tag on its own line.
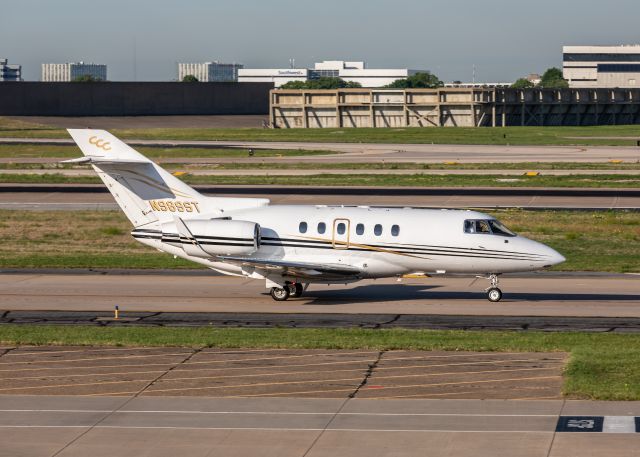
<point x="360" y="229"/>
<point x="341" y="228"/>
<point x="377" y="229"/>
<point x="303" y="227"/>
<point x="322" y="227"/>
<point x="395" y="230"/>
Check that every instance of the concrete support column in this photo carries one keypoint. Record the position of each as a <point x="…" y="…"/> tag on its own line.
<point x="372" y="117"/>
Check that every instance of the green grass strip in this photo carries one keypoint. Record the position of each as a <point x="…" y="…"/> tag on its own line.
<point x="618" y="135"/>
<point x="412" y="180"/>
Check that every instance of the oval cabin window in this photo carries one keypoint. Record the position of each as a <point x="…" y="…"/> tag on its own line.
<point x="360" y="229"/>
<point x="303" y="227"/>
<point x="322" y="227"/>
<point x="395" y="230"/>
<point x="377" y="230"/>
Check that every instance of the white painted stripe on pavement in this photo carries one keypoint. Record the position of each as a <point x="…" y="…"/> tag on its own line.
<point x="265" y="413"/>
<point x="125" y="427"/>
<point x="619" y="424"/>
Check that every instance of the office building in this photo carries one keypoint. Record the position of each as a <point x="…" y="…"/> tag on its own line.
<point x="348" y="71"/>
<point x="210" y="71"/>
<point x="65" y="72"/>
<point x="10" y="72"/>
<point x="601" y="66"/>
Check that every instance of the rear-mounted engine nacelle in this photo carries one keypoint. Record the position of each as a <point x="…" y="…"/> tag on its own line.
<point x="213" y="237"/>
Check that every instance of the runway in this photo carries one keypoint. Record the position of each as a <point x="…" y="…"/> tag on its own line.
<point x="374" y="152"/>
<point x="133" y="426"/>
<point x="96" y="197"/>
<point x="549" y="295"/>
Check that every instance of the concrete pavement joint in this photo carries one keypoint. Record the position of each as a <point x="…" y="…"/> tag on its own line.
<point x="130" y="399"/>
<point x="326" y="427"/>
<point x="553" y="437"/>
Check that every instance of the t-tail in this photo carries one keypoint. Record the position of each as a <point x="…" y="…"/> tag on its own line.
<point x="146" y="192"/>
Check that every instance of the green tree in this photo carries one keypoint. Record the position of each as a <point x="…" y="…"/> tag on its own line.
<point x="86" y="79"/>
<point x="294" y="85"/>
<point x="321" y="83"/>
<point x="420" y="80"/>
<point x="522" y="83"/>
<point x="189" y="79"/>
<point x="552" y="79"/>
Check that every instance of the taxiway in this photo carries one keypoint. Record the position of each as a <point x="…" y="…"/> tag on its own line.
<point x="541" y="294"/>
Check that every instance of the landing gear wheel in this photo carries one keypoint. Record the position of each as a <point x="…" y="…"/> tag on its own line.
<point x="280" y="294"/>
<point x="295" y="290"/>
<point x="494" y="294"/>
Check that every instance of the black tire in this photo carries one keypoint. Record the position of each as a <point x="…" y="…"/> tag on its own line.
<point x="295" y="290"/>
<point x="279" y="293"/>
<point x="494" y="294"/>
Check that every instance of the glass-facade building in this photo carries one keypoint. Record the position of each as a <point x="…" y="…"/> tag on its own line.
<point x="210" y="71"/>
<point x="601" y="66"/>
<point x="10" y="72"/>
<point x="66" y="72"/>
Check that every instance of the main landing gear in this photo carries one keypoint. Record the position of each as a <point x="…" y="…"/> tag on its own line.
<point x="494" y="294"/>
<point x="293" y="290"/>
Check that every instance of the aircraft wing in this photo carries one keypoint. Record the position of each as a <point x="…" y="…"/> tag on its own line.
<point x="299" y="269"/>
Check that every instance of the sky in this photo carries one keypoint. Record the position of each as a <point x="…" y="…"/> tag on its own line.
<point x="144" y="39"/>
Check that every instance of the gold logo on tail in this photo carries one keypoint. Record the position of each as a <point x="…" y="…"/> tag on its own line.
<point x="100" y="143"/>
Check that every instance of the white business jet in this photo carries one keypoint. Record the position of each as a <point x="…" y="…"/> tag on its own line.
<point x="290" y="247"/>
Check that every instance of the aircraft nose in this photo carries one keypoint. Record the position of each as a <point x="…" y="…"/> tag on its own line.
<point x="555" y="257"/>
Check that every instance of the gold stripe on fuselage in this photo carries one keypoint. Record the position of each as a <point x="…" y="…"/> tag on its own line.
<point x="359" y="245"/>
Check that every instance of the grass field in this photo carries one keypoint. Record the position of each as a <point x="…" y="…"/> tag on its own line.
<point x="30" y="151"/>
<point x="537" y="166"/>
<point x="621" y="168"/>
<point x="622" y="135"/>
<point x="376" y="180"/>
<point x="601" y="366"/>
<point x="593" y="241"/>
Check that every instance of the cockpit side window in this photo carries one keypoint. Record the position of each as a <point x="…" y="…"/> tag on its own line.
<point x="498" y="229"/>
<point x="482" y="227"/>
<point x="488" y="227"/>
<point x="469" y="226"/>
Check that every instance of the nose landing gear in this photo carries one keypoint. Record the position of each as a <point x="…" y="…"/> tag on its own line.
<point x="494" y="294"/>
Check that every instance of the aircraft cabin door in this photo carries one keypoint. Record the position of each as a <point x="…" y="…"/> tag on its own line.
<point x="341" y="233"/>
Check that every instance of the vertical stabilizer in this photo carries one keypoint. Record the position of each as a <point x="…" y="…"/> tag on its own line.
<point x="145" y="192"/>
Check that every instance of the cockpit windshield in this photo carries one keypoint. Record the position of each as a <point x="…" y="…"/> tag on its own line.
<point x="486" y="226"/>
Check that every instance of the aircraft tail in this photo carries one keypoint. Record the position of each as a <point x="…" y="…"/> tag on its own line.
<point x="145" y="192"/>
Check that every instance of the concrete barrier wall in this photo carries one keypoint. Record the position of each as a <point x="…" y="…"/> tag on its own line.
<point x="132" y="98"/>
<point x="452" y="107"/>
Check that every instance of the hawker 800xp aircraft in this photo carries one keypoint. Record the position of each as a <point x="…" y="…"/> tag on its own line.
<point x="290" y="247"/>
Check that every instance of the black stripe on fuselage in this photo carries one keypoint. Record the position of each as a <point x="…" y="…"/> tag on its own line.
<point x="327" y="245"/>
<point x="426" y="249"/>
<point x="411" y="253"/>
<point x="419" y="247"/>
